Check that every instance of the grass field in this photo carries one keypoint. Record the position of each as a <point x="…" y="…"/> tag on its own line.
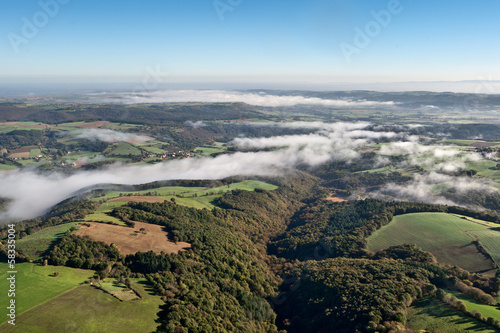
<point x="35" y="244"/>
<point x="103" y="217"/>
<point x="153" y="146"/>
<point x="490" y="240"/>
<point x="433" y="316"/>
<point x="100" y="214"/>
<point x="121" y="126"/>
<point x="195" y="197"/>
<point x="124" y="149"/>
<point x="7" y="167"/>
<point x="26" y="125"/>
<point x="80" y="154"/>
<point x="35" y="152"/>
<point x="34" y="285"/>
<point x="485" y="310"/>
<point x="446" y="236"/>
<point x="206" y="151"/>
<point x="458" y="142"/>
<point x="486" y="168"/>
<point x="189" y="192"/>
<point x="87" y="309"/>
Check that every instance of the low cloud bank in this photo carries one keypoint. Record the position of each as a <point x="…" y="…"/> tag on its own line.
<point x="32" y="193"/>
<point x="215" y="96"/>
<point x="195" y="124"/>
<point x="431" y="157"/>
<point x="426" y="188"/>
<point x="108" y="135"/>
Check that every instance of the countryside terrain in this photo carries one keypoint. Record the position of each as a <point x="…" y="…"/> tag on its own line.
<point x="226" y="217"/>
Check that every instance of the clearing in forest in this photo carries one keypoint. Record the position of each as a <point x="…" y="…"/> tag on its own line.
<point x="143" y="237"/>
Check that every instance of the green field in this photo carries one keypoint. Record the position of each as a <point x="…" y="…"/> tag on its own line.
<point x="124" y="149"/>
<point x="87" y="309"/>
<point x="100" y="214"/>
<point x="195" y="197"/>
<point x="35" y="152"/>
<point x="446" y="236"/>
<point x="80" y="154"/>
<point x="248" y="185"/>
<point x="433" y="316"/>
<point x="154" y="147"/>
<point x="458" y="142"/>
<point x="35" y="244"/>
<point x="9" y="128"/>
<point x="206" y="151"/>
<point x="7" y="167"/>
<point x="161" y="191"/>
<point x="486" y="168"/>
<point x="485" y="310"/>
<point x="103" y="217"/>
<point x="34" y="285"/>
<point x="489" y="240"/>
<point x="121" y="126"/>
<point x="196" y="202"/>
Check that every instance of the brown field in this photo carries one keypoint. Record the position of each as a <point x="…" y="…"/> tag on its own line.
<point x="484" y="144"/>
<point x="132" y="240"/>
<point x="138" y="198"/>
<point x="139" y="140"/>
<point x="335" y="199"/>
<point x="94" y="124"/>
<point x="23" y="150"/>
<point x="20" y="155"/>
<point x="10" y="123"/>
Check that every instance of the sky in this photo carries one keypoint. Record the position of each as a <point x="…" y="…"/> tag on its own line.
<point x="249" y="41"/>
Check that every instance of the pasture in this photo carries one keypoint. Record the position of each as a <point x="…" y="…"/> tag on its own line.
<point x="485" y="310"/>
<point x="433" y="316"/>
<point x="448" y="237"/>
<point x="131" y="240"/>
<point x="87" y="309"/>
<point x="100" y="215"/>
<point x="15" y="125"/>
<point x="489" y="239"/>
<point x="195" y="197"/>
<point x="119" y="290"/>
<point x="36" y="244"/>
<point x="123" y="149"/>
<point x="35" y="285"/>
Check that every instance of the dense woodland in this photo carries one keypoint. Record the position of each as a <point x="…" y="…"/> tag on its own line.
<point x="266" y="261"/>
<point x="261" y="261"/>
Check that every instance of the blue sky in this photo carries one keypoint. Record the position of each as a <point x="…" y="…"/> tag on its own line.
<point x="277" y="40"/>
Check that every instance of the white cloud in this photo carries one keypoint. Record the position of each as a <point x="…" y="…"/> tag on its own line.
<point x="33" y="193"/>
<point x="107" y="135"/>
<point x="196" y="124"/>
<point x="426" y="188"/>
<point x="214" y="96"/>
